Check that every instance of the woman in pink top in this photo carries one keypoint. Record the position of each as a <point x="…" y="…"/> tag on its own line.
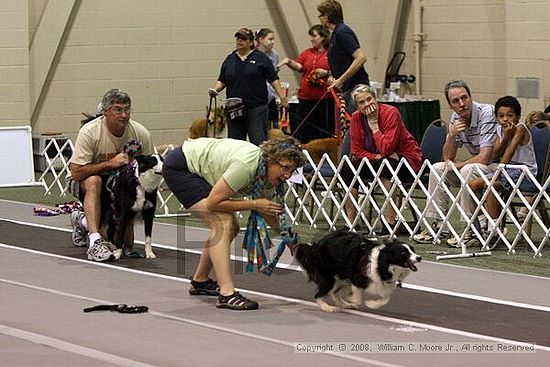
<point x="313" y="64"/>
<point x="378" y="133"/>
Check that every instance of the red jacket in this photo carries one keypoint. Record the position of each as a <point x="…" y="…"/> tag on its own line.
<point x="392" y="137"/>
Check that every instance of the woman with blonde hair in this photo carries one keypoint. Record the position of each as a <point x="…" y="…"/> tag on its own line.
<point x="379" y="134"/>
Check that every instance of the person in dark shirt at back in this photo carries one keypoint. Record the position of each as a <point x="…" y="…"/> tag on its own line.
<point x="345" y="56"/>
<point x="244" y="73"/>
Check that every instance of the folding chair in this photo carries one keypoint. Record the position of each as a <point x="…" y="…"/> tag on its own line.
<point x="540" y="133"/>
<point x="431" y="146"/>
<point x="433" y="140"/>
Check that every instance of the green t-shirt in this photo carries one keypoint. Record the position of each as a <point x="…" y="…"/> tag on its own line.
<point x="234" y="160"/>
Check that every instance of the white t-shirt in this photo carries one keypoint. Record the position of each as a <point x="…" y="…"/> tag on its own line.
<point x="95" y="144"/>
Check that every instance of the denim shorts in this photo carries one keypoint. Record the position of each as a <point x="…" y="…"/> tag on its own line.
<point x="188" y="187"/>
<point x="525" y="185"/>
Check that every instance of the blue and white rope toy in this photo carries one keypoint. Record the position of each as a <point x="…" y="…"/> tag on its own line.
<point x="257" y="241"/>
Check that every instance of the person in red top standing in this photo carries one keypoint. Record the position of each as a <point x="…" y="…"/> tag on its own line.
<point x="377" y="132"/>
<point x="313" y="64"/>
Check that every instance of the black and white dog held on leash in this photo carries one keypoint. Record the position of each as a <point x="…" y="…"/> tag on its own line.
<point x="132" y="194"/>
<point x="347" y="266"/>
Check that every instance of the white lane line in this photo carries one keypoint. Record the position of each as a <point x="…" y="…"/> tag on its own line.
<point x="277" y="297"/>
<point x="282" y="265"/>
<point x="92" y="353"/>
<point x="44" y="226"/>
<point x="289" y="266"/>
<point x="477" y="298"/>
<point x="70" y="347"/>
<point x="35" y="225"/>
<point x="155" y="245"/>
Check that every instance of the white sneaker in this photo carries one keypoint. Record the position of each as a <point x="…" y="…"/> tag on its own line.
<point x="80" y="233"/>
<point x="101" y="250"/>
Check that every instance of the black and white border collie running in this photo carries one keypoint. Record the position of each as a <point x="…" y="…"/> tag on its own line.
<point x="346" y="265"/>
<point x="132" y="194"/>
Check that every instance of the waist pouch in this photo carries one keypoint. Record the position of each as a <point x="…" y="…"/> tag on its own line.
<point x="236" y="110"/>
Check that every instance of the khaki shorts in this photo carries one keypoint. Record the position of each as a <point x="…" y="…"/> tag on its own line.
<point x="73" y="187"/>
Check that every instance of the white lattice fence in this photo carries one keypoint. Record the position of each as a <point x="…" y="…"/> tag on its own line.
<point x="57" y="169"/>
<point x="56" y="166"/>
<point x="321" y="197"/>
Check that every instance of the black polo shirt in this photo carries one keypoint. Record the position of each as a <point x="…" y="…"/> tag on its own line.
<point x="343" y="44"/>
<point x="247" y="79"/>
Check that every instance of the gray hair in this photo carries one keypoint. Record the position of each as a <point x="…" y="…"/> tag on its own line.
<point x="115" y="96"/>
<point x="362" y="88"/>
<point x="458" y="83"/>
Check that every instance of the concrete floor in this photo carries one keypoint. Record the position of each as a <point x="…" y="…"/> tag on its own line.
<point x="45" y="283"/>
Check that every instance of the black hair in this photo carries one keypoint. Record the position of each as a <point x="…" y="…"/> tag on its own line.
<point x="508" y="101"/>
<point x="322" y="31"/>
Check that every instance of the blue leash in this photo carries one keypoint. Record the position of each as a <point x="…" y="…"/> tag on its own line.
<point x="133" y="148"/>
<point x="257" y="241"/>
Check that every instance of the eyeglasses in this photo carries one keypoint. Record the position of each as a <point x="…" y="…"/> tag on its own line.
<point x="286" y="168"/>
<point x="120" y="111"/>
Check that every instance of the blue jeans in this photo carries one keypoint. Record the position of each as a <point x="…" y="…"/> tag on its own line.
<point x="254" y="124"/>
<point x="526" y="184"/>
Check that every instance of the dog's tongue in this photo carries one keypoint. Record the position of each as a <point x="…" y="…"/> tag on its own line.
<point x="412" y="266"/>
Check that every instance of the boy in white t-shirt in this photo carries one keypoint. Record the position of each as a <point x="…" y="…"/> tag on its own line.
<point x="513" y="145"/>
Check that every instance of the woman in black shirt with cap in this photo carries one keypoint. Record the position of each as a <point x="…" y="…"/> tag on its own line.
<point x="244" y="73"/>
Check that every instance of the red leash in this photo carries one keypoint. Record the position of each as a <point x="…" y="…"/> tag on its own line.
<point x="309" y="114"/>
<point x="345" y="117"/>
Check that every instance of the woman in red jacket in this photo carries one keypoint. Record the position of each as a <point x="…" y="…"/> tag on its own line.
<point x="378" y="133"/>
